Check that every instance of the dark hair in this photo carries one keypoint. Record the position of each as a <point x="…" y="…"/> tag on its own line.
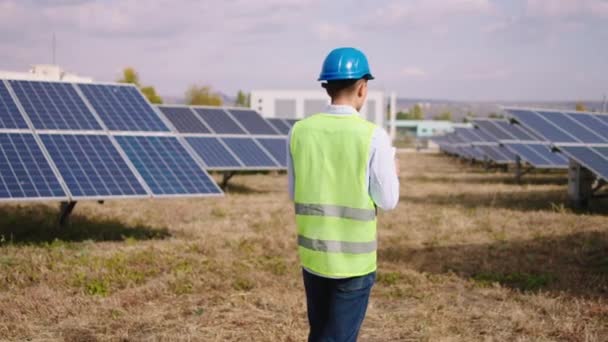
<point x="340" y="87"/>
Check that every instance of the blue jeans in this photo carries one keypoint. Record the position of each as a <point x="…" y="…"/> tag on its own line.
<point x="336" y="307"/>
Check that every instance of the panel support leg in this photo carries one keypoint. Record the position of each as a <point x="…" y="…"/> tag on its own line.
<point x="580" y="185"/>
<point x="66" y="209"/>
<point x="226" y="178"/>
<point x="518" y="170"/>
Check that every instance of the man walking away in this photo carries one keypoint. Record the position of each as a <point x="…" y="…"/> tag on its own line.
<point x="341" y="168"/>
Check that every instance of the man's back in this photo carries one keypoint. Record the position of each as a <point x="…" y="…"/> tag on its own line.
<point x="332" y="151"/>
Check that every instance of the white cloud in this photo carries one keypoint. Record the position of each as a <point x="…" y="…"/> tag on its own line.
<point x="429" y="11"/>
<point x="566" y="8"/>
<point x="413" y="72"/>
<point x="328" y="32"/>
<point x="487" y="74"/>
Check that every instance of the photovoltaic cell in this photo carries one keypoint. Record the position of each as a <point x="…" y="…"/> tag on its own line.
<point x="467" y="134"/>
<point x="291" y="122"/>
<point x="213" y="152"/>
<point x="484" y="136"/>
<point x="555" y="158"/>
<point x="507" y="153"/>
<point x="277" y="148"/>
<point x="123" y="108"/>
<point x="493" y="153"/>
<point x="91" y="166"/>
<point x="219" y="121"/>
<point x="539" y="125"/>
<point x="249" y="152"/>
<point x="280" y="125"/>
<point x="54" y="105"/>
<point x="24" y="171"/>
<point x="587" y="157"/>
<point x="10" y="117"/>
<point x="492" y="129"/>
<point x="184" y="120"/>
<point x="592" y="123"/>
<point x="602" y="150"/>
<point x="253" y="122"/>
<point x="572" y="127"/>
<point x="515" y="131"/>
<point x="528" y="155"/>
<point x="166" y="166"/>
<point x="603" y="118"/>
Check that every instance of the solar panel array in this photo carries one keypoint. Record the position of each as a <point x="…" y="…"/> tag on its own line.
<point x="582" y="137"/>
<point x="501" y="142"/>
<point x="69" y="141"/>
<point x="231" y="139"/>
<point x="522" y="143"/>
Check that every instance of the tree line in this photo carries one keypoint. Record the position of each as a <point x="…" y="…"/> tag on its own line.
<point x="194" y="95"/>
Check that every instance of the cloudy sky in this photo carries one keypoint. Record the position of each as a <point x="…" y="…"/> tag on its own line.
<point x="454" y="49"/>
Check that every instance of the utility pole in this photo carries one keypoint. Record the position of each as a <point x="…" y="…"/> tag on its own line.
<point x="604" y="104"/>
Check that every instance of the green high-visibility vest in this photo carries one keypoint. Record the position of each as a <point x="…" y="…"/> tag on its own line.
<point x="335" y="215"/>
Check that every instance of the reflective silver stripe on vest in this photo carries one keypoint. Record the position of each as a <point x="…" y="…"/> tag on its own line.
<point x="335" y="211"/>
<point x="331" y="246"/>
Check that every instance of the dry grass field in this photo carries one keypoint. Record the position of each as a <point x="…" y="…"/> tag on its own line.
<point x="467" y="256"/>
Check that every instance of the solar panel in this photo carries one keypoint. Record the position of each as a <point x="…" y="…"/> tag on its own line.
<point x="123" y="108"/>
<point x="91" y="166"/>
<point x="249" y="152"/>
<point x="589" y="158"/>
<point x="213" y="153"/>
<point x="280" y="125"/>
<point x="484" y="136"/>
<point x="10" y="117"/>
<point x="184" y="120"/>
<point x="219" y="121"/>
<point x="291" y="122"/>
<point x="494" y="153"/>
<point x="541" y="126"/>
<point x="24" y="171"/>
<point x="253" y="122"/>
<point x="467" y="134"/>
<point x="538" y="155"/>
<point x="515" y="131"/>
<point x="571" y="126"/>
<point x="603" y="118"/>
<point x="166" y="166"/>
<point x="591" y="122"/>
<point x="277" y="148"/>
<point x="54" y="105"/>
<point x="490" y="127"/>
<point x="557" y="159"/>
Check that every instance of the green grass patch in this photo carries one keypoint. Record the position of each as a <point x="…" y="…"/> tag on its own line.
<point x="517" y="280"/>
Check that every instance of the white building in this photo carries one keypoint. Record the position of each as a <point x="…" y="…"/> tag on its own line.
<point x="297" y="104"/>
<point x="45" y="72"/>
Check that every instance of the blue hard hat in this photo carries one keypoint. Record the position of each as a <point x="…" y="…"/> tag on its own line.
<point x="345" y="64"/>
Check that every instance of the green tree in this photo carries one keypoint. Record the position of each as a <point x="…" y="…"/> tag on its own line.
<point x="416" y="113"/>
<point x="151" y="94"/>
<point x="445" y="116"/>
<point x="129" y="75"/>
<point x="242" y="99"/>
<point x="202" y="95"/>
<point x="580" y="107"/>
<point x="496" y="116"/>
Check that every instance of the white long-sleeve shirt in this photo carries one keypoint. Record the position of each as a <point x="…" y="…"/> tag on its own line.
<point x="383" y="183"/>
